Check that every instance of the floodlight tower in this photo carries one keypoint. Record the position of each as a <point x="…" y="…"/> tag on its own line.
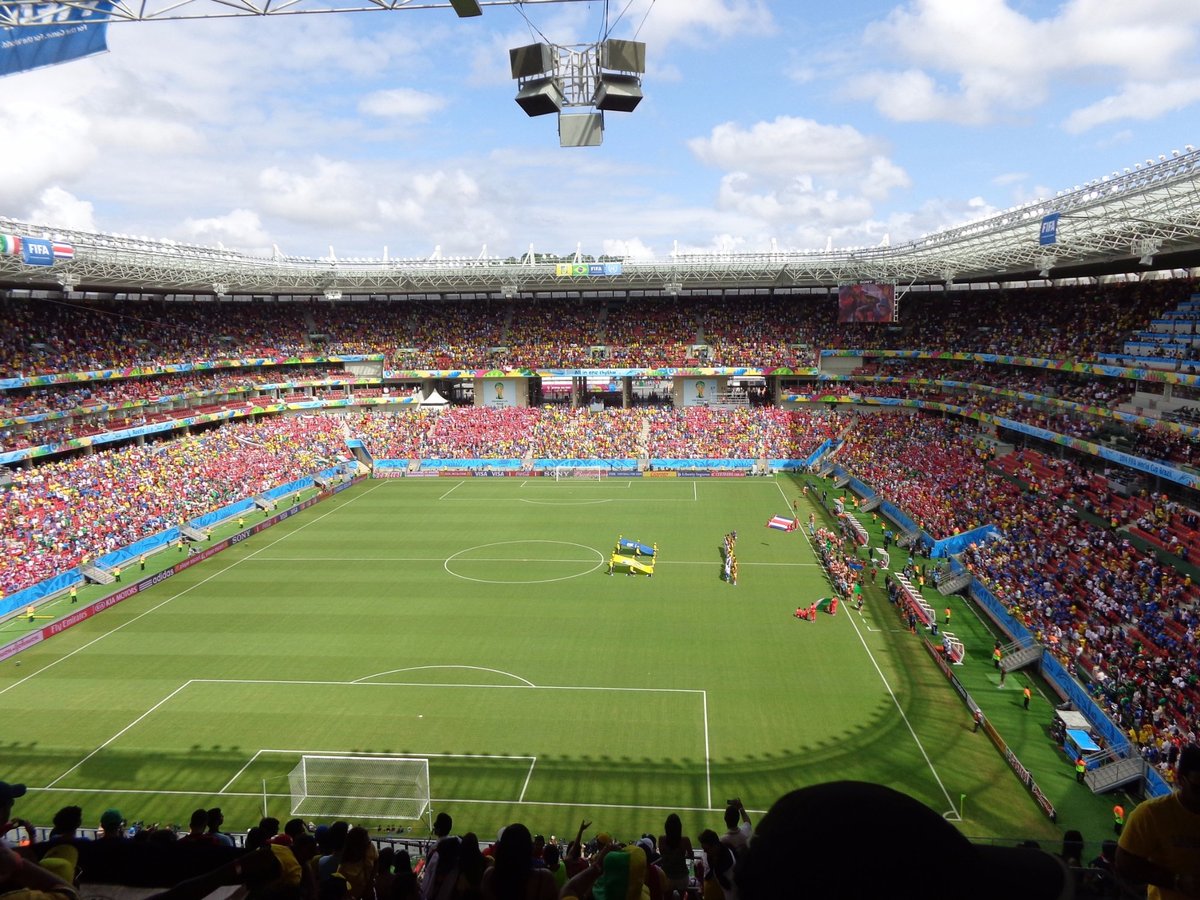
<point x="601" y="77"/>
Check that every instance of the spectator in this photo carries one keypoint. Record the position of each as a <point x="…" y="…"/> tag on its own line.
<point x="1158" y="846"/>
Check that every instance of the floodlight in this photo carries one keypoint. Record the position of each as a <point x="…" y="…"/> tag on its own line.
<point x="466" y="8"/>
<point x="540" y="97"/>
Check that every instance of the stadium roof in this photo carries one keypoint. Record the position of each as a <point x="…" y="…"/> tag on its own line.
<point x="1116" y="224"/>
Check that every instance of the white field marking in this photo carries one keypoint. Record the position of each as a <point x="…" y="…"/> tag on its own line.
<point x="440" y="559"/>
<point x="528" y="775"/>
<point x="953" y="813"/>
<point x="421" y="668"/>
<point x="707" y="754"/>
<point x="446" y="565"/>
<point x="452" y="490"/>
<point x="696" y="498"/>
<point x="118" y="734"/>
<point x="564" y="502"/>
<point x="236" y="562"/>
<point x="357" y="755"/>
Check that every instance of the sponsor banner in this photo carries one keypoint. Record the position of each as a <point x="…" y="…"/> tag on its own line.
<point x="37" y="252"/>
<point x="693" y="473"/>
<point x="660" y="474"/>
<point x="726" y="473"/>
<point x="61" y="33"/>
<point x="498" y="393"/>
<point x="23" y="643"/>
<point x="588" y="270"/>
<point x="497" y="473"/>
<point x="455" y="473"/>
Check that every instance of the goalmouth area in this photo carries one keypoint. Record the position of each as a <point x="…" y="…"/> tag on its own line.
<point x="473" y="623"/>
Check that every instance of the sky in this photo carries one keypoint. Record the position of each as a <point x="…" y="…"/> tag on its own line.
<point x="788" y="124"/>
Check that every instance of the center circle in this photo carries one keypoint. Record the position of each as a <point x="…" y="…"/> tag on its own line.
<point x="515" y="561"/>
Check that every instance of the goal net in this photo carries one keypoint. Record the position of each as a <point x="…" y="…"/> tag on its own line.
<point x="589" y="473"/>
<point x="374" y="787"/>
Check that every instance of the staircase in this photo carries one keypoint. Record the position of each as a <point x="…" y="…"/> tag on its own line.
<point x="94" y="574"/>
<point x="1020" y="657"/>
<point x="1115" y="774"/>
<point x="871" y="505"/>
<point x="264" y="503"/>
<point x="192" y="534"/>
<point x="909" y="538"/>
<point x="952" y="584"/>
<point x="841" y="483"/>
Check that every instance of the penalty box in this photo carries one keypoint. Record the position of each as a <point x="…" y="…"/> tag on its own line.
<point x="513" y="742"/>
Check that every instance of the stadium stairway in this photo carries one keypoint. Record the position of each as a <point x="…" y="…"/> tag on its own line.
<point x="1115" y="774"/>
<point x="1019" y="657"/>
<point x="952" y="584"/>
<point x="96" y="575"/>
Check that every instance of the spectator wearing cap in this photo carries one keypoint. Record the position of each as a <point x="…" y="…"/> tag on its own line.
<point x="858" y="841"/>
<point x="111" y="822"/>
<point x="1160" y="843"/>
<point x="8" y="794"/>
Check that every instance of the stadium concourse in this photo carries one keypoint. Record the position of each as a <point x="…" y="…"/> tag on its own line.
<point x="1094" y="555"/>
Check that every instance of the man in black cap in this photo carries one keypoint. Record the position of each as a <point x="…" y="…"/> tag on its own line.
<point x="1160" y="843"/>
<point x="9" y="793"/>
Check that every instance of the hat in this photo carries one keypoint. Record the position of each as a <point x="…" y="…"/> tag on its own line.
<point x="603" y="838"/>
<point x="11" y="791"/>
<point x="61" y="859"/>
<point x="647" y="844"/>
<point x="826" y="830"/>
<point x="111" y="819"/>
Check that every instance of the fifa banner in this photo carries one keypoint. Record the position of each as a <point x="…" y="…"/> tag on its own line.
<point x="497" y="393"/>
<point x="51" y="33"/>
<point x="1049" y="233"/>
<point x="587" y="270"/>
<point x="35" y="251"/>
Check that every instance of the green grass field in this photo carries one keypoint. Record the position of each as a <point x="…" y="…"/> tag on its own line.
<point x="473" y="622"/>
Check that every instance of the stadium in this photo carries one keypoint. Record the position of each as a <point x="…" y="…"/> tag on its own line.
<point x="603" y="539"/>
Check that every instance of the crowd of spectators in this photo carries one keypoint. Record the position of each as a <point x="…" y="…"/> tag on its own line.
<point x="58" y="514"/>
<point x="732" y="858"/>
<point x="43" y="336"/>
<point x="1126" y="621"/>
<point x="931" y="468"/>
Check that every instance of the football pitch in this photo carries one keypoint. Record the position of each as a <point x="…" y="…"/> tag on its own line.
<point x="472" y="622"/>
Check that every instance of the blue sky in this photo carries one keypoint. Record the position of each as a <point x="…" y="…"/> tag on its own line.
<point x="792" y="122"/>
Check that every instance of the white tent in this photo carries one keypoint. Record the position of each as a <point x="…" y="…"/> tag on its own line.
<point x="435" y="401"/>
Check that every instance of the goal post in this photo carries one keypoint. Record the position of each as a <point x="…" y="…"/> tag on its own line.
<point x="360" y="787"/>
<point x="588" y="473"/>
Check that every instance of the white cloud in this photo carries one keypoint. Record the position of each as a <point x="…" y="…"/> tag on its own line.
<point x="62" y="209"/>
<point x="240" y="229"/>
<point x="401" y="103"/>
<point x="1139" y="101"/>
<point x="973" y="63"/>
<point x="632" y="248"/>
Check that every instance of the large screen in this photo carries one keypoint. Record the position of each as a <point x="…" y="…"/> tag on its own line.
<point x="866" y="302"/>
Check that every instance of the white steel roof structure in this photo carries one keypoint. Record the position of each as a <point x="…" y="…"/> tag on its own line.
<point x="30" y="13"/>
<point x="1113" y="224"/>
